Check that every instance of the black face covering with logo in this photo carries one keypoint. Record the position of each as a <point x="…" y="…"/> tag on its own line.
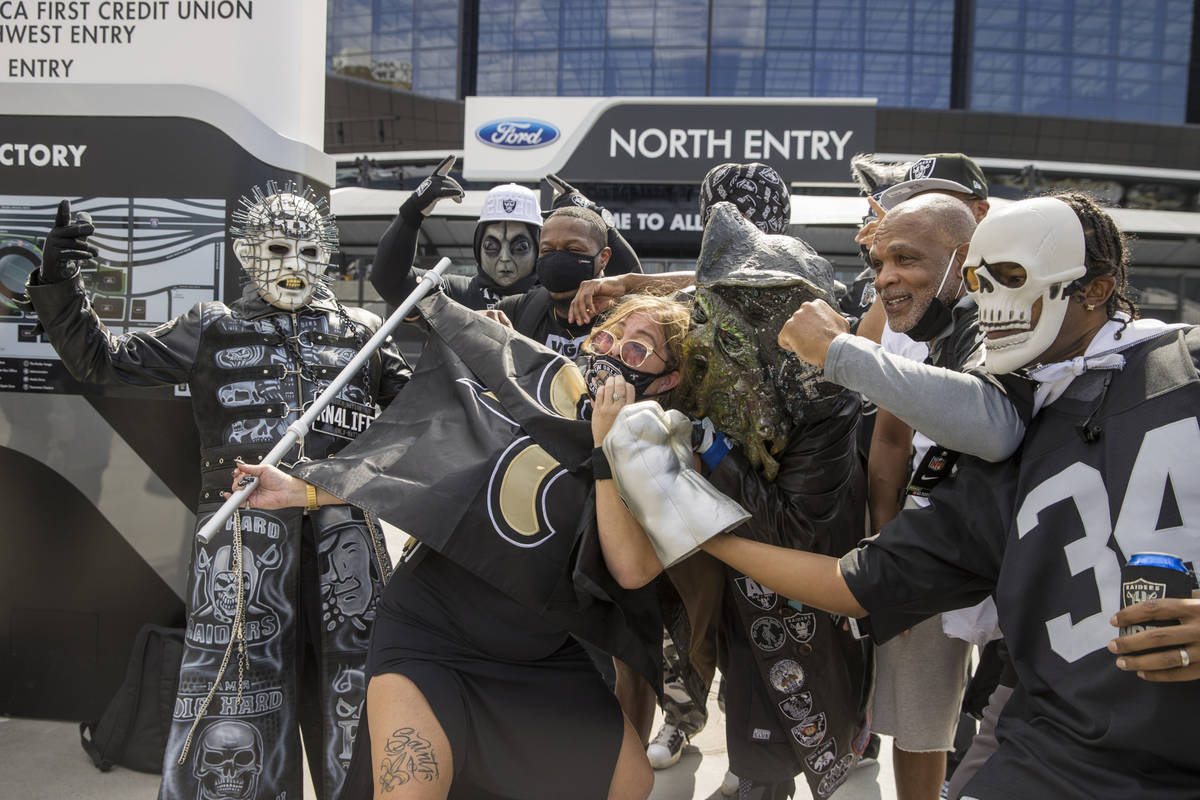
<point x="563" y="271"/>
<point x="600" y="368"/>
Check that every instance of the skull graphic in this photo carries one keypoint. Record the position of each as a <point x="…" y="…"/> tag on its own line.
<point x="228" y="761"/>
<point x="222" y="585"/>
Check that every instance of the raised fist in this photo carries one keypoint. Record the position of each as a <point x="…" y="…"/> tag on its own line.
<point x="433" y="189"/>
<point x="67" y="244"/>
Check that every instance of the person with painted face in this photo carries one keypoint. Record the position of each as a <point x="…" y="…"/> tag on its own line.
<point x="505" y="243"/>
<point x="310" y="579"/>
<point x="1101" y="474"/>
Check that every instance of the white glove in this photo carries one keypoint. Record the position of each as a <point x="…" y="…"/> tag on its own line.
<point x="650" y="453"/>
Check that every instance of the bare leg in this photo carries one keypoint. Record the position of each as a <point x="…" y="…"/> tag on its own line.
<point x="410" y="755"/>
<point x="637" y="700"/>
<point x="919" y="776"/>
<point x="632" y="778"/>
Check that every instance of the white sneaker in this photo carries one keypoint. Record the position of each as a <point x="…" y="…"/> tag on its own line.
<point x="666" y="748"/>
<point x="729" y="785"/>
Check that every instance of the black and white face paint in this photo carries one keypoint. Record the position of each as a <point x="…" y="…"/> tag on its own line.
<point x="507" y="253"/>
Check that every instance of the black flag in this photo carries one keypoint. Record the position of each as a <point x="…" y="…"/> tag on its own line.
<point x="484" y="458"/>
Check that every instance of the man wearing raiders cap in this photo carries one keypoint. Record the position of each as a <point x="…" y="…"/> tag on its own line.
<point x="948" y="173"/>
<point x="921" y="723"/>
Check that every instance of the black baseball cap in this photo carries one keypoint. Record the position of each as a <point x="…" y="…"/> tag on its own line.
<point x="948" y="172"/>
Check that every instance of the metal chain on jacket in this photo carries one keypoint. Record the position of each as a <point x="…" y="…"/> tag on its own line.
<point x="238" y="636"/>
<point x="293" y="350"/>
<point x="359" y="341"/>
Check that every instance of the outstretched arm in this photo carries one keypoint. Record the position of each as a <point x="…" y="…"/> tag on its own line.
<point x="805" y="577"/>
<point x="596" y="295"/>
<point x="392" y="273"/>
<point x="277" y="489"/>
<point x="985" y="423"/>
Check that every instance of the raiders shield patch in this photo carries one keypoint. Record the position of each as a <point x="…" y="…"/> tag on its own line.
<point x="811" y="730"/>
<point x="797" y="707"/>
<point x="1140" y="590"/>
<point x="509" y="206"/>
<point x="787" y="676"/>
<point x="767" y="634"/>
<point x="823" y="757"/>
<point x="801" y="627"/>
<point x="922" y="169"/>
<point x="835" y="777"/>
<point x="756" y="593"/>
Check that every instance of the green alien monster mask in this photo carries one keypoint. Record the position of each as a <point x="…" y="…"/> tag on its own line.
<point x="734" y="372"/>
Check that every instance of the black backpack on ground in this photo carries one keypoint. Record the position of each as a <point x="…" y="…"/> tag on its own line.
<point x="133" y="730"/>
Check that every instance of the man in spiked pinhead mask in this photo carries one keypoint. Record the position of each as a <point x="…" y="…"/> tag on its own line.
<point x="285" y="241"/>
<point x="280" y="604"/>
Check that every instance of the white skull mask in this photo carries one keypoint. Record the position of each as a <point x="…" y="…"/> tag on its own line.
<point x="1045" y="238"/>
<point x="228" y="761"/>
<point x="285" y="240"/>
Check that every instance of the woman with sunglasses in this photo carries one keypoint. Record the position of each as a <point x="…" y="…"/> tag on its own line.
<point x="473" y="662"/>
<point x="633" y="354"/>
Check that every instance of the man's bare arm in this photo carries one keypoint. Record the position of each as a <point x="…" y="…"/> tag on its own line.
<point x="798" y="575"/>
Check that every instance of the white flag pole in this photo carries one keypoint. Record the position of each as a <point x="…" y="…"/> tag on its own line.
<point x="298" y="429"/>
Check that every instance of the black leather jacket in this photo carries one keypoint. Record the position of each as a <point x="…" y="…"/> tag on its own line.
<point x="252" y="369"/>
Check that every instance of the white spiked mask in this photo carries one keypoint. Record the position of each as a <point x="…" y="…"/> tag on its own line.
<point x="1043" y="236"/>
<point x="285" y="242"/>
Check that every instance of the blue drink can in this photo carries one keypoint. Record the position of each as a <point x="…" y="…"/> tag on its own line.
<point x="1152" y="576"/>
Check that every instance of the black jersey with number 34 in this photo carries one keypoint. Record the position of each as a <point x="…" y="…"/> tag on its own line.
<point x="1110" y="469"/>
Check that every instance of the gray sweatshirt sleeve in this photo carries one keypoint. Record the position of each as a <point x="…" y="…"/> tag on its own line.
<point x="956" y="410"/>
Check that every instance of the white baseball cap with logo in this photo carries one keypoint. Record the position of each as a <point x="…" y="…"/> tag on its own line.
<point x="511" y="202"/>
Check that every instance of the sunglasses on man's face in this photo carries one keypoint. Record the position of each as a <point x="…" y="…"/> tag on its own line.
<point x="632" y="352"/>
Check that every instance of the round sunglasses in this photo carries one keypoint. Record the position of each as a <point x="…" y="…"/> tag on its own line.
<point x="632" y="352"/>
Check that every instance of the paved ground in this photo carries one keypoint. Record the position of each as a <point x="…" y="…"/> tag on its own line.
<point x="42" y="760"/>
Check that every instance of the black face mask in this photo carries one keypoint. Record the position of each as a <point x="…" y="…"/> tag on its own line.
<point x="601" y="368"/>
<point x="563" y="271"/>
<point x="937" y="316"/>
<point x="935" y="320"/>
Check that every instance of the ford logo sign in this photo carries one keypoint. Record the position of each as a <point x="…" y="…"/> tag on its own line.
<point x="516" y="133"/>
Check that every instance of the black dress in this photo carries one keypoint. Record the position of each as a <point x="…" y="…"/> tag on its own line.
<point x="525" y="711"/>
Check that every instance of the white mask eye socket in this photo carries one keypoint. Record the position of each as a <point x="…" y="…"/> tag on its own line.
<point x="310" y="252"/>
<point x="279" y="249"/>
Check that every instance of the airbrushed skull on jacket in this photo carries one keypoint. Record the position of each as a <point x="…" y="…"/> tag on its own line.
<point x="284" y="241"/>
<point x="1044" y="238"/>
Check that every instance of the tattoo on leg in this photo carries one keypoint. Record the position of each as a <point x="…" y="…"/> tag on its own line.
<point x="409" y="757"/>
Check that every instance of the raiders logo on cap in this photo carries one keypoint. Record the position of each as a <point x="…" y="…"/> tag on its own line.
<point x="922" y="169"/>
<point x="509" y="206"/>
